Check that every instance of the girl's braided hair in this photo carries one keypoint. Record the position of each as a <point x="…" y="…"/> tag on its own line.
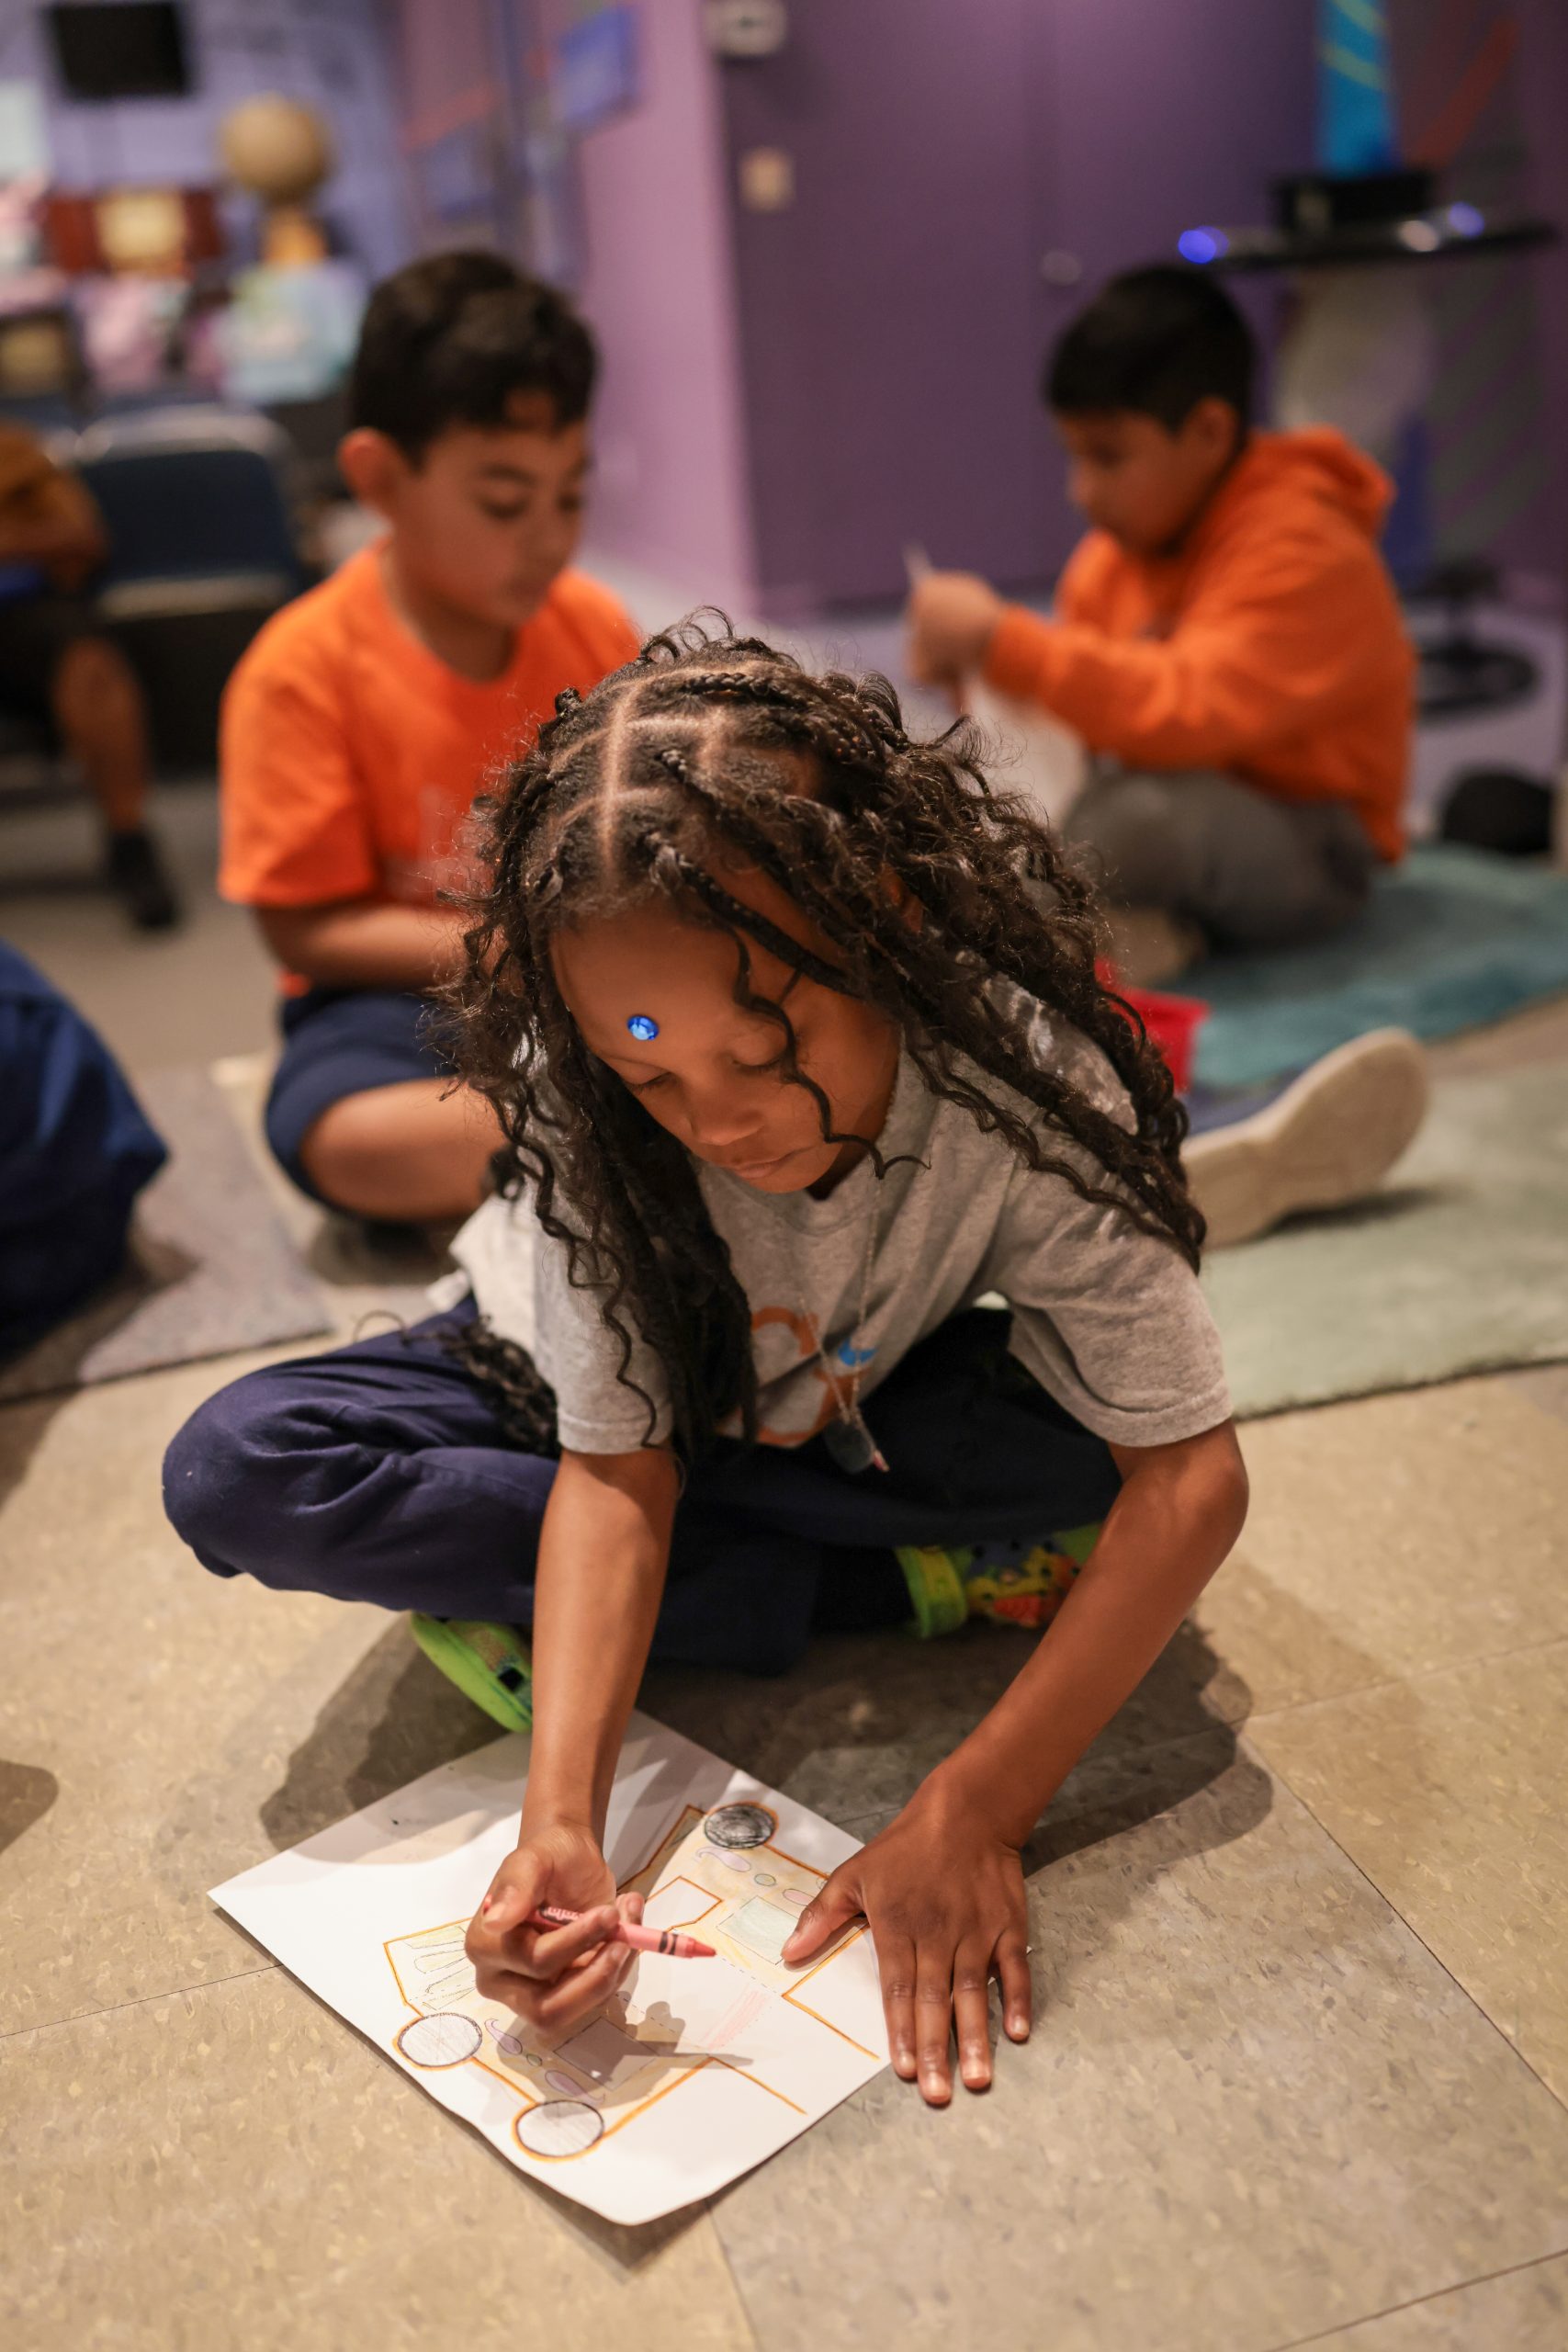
<point x="647" y="788"/>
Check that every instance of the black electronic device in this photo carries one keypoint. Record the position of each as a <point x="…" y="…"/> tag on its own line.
<point x="125" y="49"/>
<point x="1312" y="204"/>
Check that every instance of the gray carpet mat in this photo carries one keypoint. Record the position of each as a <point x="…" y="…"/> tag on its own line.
<point x="1460" y="1264"/>
<point x="211" y="1273"/>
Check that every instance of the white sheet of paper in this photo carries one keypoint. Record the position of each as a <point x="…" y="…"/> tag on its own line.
<point x="696" y="2071"/>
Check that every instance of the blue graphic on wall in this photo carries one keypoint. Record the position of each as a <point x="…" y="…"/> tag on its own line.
<point x="1356" y="129"/>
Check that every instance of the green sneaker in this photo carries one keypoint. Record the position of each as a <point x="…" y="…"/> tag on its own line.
<point x="951" y="1584"/>
<point x="935" y="1577"/>
<point x="490" y="1663"/>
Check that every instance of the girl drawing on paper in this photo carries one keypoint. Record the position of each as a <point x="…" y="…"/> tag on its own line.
<point x="794" y="1030"/>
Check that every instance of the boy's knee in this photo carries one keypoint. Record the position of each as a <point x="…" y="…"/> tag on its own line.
<point x="416" y="1150"/>
<point x="343" y="1151"/>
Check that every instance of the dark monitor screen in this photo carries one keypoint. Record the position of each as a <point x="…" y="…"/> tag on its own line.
<point x="134" y="49"/>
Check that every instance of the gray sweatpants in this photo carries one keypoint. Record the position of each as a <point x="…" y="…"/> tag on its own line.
<point x="1249" y="870"/>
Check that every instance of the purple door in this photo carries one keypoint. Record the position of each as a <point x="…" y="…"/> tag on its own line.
<point x="1166" y="118"/>
<point x="889" y="334"/>
<point x="894" y="309"/>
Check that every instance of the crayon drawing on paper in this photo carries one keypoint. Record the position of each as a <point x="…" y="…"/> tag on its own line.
<point x="692" y="2071"/>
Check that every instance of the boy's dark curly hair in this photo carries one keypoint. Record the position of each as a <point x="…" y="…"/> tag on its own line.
<point x="625" y="797"/>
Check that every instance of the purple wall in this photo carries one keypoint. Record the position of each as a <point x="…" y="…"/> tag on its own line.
<point x="895" y="315"/>
<point x="658" y="285"/>
<point x="792" y="395"/>
<point x="1543" y="96"/>
<point x="888" y="312"/>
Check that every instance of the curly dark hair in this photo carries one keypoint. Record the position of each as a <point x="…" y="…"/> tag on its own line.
<point x="623" y="800"/>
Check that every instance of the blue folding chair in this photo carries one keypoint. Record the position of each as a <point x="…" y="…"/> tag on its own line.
<point x="202" y="550"/>
<point x="198" y="514"/>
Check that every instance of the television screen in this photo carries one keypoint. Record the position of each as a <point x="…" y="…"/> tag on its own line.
<point x="132" y="48"/>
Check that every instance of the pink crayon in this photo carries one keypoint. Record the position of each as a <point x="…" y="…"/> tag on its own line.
<point x="666" y="1941"/>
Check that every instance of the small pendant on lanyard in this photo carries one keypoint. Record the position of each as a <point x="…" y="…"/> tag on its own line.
<point x="853" y="1447"/>
<point x="848" y="1442"/>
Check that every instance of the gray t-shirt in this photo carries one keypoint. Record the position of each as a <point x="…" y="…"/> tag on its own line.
<point x="1109" y="1319"/>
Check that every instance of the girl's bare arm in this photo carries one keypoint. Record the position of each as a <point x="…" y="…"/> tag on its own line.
<point x="602" y="1554"/>
<point x="603" y="1551"/>
<point x="1180" y="1510"/>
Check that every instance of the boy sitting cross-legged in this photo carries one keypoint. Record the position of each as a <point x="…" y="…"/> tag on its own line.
<point x="365" y="717"/>
<point x="1228" y="646"/>
<point x="1227" y="642"/>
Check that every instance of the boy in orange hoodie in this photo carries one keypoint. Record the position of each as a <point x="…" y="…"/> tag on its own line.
<point x="1227" y="642"/>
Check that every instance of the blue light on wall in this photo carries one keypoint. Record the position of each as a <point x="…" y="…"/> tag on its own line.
<point x="1202" y="244"/>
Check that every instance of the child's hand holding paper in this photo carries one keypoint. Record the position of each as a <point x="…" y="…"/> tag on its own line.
<point x="951" y="618"/>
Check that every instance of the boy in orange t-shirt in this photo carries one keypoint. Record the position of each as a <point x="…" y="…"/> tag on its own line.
<point x="1227" y="643"/>
<point x="365" y="718"/>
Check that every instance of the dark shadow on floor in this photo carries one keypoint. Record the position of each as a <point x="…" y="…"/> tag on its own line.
<point x="394" y="1718"/>
<point x="344" y="1252"/>
<point x="153" y="1265"/>
<point x="1110" y="1794"/>
<point x="26" y="1792"/>
<point x="1374" y="1208"/>
<point x="23" y="1426"/>
<point x="850" y="1732"/>
<point x="857" y="1725"/>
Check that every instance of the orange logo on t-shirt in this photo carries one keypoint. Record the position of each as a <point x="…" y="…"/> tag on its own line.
<point x="809" y="1358"/>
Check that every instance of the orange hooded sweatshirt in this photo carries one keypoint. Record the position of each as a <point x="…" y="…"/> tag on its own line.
<point x="1271" y="644"/>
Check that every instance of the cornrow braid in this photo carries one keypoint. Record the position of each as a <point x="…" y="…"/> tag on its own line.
<point x="621" y="801"/>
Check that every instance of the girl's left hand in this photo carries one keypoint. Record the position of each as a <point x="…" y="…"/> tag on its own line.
<point x="943" y="1893"/>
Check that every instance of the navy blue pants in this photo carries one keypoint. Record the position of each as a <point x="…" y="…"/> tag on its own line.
<point x="75" y="1150"/>
<point x="378" y="1473"/>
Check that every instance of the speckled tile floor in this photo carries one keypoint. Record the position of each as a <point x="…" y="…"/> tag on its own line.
<point x="1300" y="2074"/>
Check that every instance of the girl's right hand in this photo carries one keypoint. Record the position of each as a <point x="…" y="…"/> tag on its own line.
<point x="552" y="1977"/>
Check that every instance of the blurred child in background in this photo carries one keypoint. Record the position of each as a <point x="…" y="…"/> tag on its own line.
<point x="365" y="717"/>
<point x="1227" y="641"/>
<point x="59" y="665"/>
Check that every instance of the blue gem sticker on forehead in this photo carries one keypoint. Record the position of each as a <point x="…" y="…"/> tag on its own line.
<point x="643" y="1026"/>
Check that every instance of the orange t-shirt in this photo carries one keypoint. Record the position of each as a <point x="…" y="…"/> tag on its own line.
<point x="1271" y="644"/>
<point x="351" y="755"/>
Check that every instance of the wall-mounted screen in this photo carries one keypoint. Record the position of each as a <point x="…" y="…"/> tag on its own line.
<point x="134" y="49"/>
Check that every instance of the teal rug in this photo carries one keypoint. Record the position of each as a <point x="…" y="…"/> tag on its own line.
<point x="1453" y="938"/>
<point x="1460" y="1264"/>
